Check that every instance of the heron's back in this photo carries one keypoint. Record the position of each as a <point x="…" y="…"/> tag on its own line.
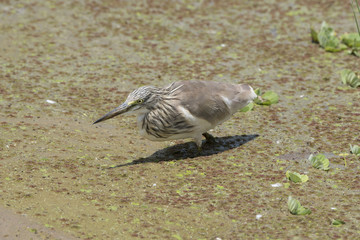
<point x="213" y="101"/>
<point x="192" y="108"/>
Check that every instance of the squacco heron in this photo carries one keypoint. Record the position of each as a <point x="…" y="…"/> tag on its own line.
<point x="184" y="109"/>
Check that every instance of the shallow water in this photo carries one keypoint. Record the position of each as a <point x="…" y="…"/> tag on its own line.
<point x="105" y="182"/>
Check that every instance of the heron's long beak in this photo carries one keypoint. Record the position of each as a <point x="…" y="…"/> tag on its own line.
<point x="123" y="108"/>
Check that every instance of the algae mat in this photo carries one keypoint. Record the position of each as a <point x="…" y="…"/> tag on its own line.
<point x="63" y="64"/>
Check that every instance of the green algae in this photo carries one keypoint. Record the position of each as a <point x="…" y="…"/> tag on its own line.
<point x="106" y="182"/>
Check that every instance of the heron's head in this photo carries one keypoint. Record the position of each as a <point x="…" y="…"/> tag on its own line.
<point x="141" y="100"/>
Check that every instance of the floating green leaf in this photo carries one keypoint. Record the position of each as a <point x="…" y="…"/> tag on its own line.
<point x="337" y="222"/>
<point x="267" y="98"/>
<point x="351" y="40"/>
<point x="355" y="52"/>
<point x="328" y="40"/>
<point x="258" y="91"/>
<point x="295" y="207"/>
<point x="270" y="97"/>
<point x="296" y="177"/>
<point x="348" y="77"/>
<point x="249" y="107"/>
<point x="355" y="149"/>
<point x="319" y="161"/>
<point x="314" y="35"/>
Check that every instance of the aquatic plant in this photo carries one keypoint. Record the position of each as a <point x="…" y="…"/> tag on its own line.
<point x="296" y="177"/>
<point x="319" y="161"/>
<point x="355" y="149"/>
<point x="348" y="77"/>
<point x="296" y="208"/>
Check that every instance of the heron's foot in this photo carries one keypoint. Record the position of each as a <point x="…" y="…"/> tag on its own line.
<point x="209" y="138"/>
<point x="198" y="143"/>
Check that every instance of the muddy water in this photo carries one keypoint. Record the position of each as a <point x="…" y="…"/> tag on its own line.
<point x="106" y="182"/>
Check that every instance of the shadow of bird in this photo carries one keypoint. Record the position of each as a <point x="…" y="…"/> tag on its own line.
<point x="189" y="150"/>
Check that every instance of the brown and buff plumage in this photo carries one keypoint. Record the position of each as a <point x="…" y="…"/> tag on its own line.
<point x="184" y="109"/>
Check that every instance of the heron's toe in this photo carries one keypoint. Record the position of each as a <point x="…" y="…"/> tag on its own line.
<point x="209" y="138"/>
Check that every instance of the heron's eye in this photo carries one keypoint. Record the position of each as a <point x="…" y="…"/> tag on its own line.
<point x="139" y="101"/>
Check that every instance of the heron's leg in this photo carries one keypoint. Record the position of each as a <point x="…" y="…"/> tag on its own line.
<point x="209" y="138"/>
<point x="198" y="142"/>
